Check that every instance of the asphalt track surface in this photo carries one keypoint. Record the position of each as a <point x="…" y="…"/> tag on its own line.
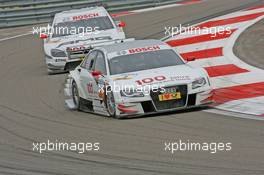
<point x="249" y="46"/>
<point x="32" y="110"/>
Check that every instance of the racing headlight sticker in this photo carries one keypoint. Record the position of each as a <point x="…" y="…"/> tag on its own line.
<point x="131" y="93"/>
<point x="58" y="53"/>
<point x="200" y="82"/>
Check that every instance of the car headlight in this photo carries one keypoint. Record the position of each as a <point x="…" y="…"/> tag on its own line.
<point x="131" y="93"/>
<point x="200" y="82"/>
<point x="58" y="53"/>
<point x="48" y="57"/>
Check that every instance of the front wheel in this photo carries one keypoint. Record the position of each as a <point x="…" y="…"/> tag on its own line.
<point x="75" y="95"/>
<point x="110" y="102"/>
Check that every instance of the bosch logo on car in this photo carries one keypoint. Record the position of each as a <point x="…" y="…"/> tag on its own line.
<point x="86" y="16"/>
<point x="144" y="49"/>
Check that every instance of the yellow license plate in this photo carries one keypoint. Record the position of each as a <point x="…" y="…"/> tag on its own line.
<point x="170" y="96"/>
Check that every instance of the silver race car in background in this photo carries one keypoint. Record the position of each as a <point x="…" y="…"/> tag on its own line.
<point x="74" y="33"/>
<point x="133" y="78"/>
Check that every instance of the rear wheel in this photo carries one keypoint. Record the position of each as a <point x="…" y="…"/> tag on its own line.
<point x="75" y="95"/>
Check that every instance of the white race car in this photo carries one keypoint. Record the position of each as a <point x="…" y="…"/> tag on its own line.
<point x="73" y="33"/>
<point x="134" y="78"/>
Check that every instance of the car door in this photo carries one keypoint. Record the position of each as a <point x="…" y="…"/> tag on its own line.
<point x="86" y="78"/>
<point x="99" y="66"/>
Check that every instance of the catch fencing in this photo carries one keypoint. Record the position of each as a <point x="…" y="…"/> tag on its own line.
<point x="26" y="12"/>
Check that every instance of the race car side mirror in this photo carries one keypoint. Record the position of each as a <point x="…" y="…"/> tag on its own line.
<point x="122" y="24"/>
<point x="189" y="59"/>
<point x="96" y="73"/>
<point x="43" y="36"/>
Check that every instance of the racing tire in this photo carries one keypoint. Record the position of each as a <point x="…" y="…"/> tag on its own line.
<point x="110" y="103"/>
<point x="50" y="72"/>
<point x="75" y="96"/>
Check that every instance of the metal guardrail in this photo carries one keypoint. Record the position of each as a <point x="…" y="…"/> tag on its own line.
<point x="15" y="13"/>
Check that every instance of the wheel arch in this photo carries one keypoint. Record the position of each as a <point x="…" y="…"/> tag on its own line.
<point x="74" y="76"/>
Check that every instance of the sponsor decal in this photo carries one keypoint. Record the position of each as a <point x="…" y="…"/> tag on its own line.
<point x="144" y="49"/>
<point x="72" y="49"/>
<point x="86" y="16"/>
<point x="126" y="77"/>
<point x="161" y="78"/>
<point x="170" y="96"/>
<point x="138" y="50"/>
<point x="151" y="80"/>
<point x="178" y="78"/>
<point x="101" y="93"/>
<point x="172" y="93"/>
<point x="90" y="88"/>
<point x="60" y="60"/>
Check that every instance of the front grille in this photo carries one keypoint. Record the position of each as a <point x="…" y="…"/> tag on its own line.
<point x="71" y="65"/>
<point x="171" y="104"/>
<point x="78" y="53"/>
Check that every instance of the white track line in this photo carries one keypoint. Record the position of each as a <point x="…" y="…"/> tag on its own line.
<point x="16" y="36"/>
<point x="238" y="14"/>
<point x="156" y="8"/>
<point x="236" y="79"/>
<point x="235" y="114"/>
<point x="245" y="105"/>
<point x="201" y="46"/>
<point x="217" y="61"/>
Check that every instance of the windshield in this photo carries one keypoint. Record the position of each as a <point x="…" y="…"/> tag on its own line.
<point x="144" y="61"/>
<point x="82" y="26"/>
